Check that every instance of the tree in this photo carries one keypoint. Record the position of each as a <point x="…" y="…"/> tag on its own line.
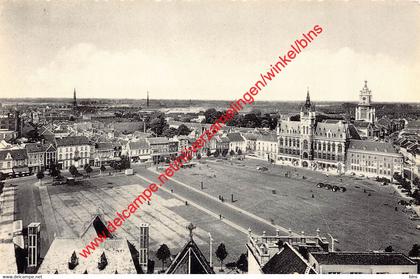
<point x="54" y="170"/>
<point x="125" y="162"/>
<point x="169" y="132"/>
<point x="415" y="251"/>
<point x="389" y="249"/>
<point x="158" y="124"/>
<point x="183" y="130"/>
<point x="212" y="115"/>
<point x="163" y="253"/>
<point x="232" y="153"/>
<point x="88" y="169"/>
<point x="40" y="176"/>
<point x="221" y="254"/>
<point x="242" y="263"/>
<point x="73" y="170"/>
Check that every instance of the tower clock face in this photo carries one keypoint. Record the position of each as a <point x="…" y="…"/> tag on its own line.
<point x="364" y="98"/>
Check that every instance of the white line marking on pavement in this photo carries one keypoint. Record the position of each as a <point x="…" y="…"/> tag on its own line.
<point x="227" y="204"/>
<point x="230" y="223"/>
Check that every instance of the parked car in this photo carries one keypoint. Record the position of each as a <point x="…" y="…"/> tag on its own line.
<point x="262" y="168"/>
<point x="335" y="188"/>
<point x="320" y="185"/>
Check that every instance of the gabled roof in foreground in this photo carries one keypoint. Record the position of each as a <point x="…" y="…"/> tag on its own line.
<point x="190" y="261"/>
<point x="287" y="261"/>
<point x="117" y="252"/>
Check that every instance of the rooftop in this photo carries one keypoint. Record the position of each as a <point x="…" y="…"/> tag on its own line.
<point x="72" y="141"/>
<point x="235" y="137"/>
<point x="374" y="146"/>
<point x="362" y="258"/>
<point x="141" y="144"/>
<point x="17" y="154"/>
<point x="158" y="140"/>
<point x="287" y="261"/>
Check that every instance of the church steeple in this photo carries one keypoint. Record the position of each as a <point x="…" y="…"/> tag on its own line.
<point x="308" y="105"/>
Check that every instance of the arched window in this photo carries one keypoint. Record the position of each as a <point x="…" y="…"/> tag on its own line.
<point x="333" y="147"/>
<point x="329" y="147"/>
<point x="340" y="148"/>
<point x="305" y="144"/>
<point x="281" y="141"/>
<point x="323" y="146"/>
<point x="294" y="142"/>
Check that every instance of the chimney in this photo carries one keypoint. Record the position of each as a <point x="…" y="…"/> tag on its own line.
<point x="144" y="246"/>
<point x="34" y="241"/>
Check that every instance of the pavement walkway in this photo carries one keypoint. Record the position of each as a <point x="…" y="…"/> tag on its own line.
<point x="49" y="215"/>
<point x="7" y="213"/>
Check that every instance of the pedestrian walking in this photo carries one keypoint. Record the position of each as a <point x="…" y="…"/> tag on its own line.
<point x="220" y="216"/>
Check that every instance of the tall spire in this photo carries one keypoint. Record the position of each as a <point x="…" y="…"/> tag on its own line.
<point x="308" y="104"/>
<point x="308" y="98"/>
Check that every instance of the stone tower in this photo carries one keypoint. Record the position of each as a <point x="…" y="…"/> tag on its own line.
<point x="307" y="127"/>
<point x="364" y="110"/>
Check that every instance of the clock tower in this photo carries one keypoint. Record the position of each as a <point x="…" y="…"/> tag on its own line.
<point x="365" y="111"/>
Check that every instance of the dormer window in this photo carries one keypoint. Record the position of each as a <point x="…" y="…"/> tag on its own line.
<point x="74" y="261"/>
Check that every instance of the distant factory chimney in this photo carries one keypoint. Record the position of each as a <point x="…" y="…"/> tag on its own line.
<point x="74" y="99"/>
<point x="147" y="100"/>
<point x="34" y="241"/>
<point x="144" y="246"/>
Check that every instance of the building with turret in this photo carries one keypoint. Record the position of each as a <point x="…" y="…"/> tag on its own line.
<point x="365" y="116"/>
<point x="312" y="144"/>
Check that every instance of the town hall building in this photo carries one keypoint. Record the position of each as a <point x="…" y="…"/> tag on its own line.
<point x="312" y="144"/>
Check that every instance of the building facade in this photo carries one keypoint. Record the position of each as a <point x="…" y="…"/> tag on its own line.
<point x="139" y="151"/>
<point x="266" y="147"/>
<point x="362" y="263"/>
<point x="73" y="151"/>
<point x="312" y="144"/>
<point x="372" y="159"/>
<point x="14" y="162"/>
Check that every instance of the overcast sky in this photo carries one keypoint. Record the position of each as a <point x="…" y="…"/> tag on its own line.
<point x="208" y="50"/>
